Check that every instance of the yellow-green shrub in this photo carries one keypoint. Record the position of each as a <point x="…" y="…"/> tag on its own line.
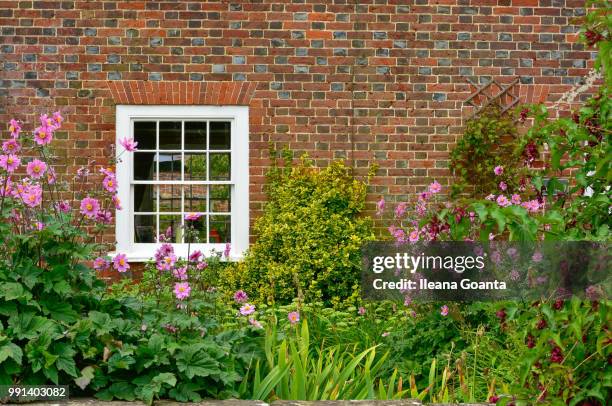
<point x="309" y="237"/>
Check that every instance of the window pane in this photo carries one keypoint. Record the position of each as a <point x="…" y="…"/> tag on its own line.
<point x="170" y="166"/>
<point x="220" y="198"/>
<point x="220" y="135"/>
<point x="170" y="198"/>
<point x="195" y="198"/>
<point x="169" y="135"/>
<point x="144" y="134"/>
<point x="145" y="199"/>
<point x="197" y="231"/>
<point x="171" y="226"/>
<point x="195" y="166"/>
<point x="144" y="166"/>
<point x="220" y="166"/>
<point x="220" y="229"/>
<point x="145" y="229"/>
<point x="195" y="135"/>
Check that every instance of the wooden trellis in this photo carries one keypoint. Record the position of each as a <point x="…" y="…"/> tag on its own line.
<point x="492" y="93"/>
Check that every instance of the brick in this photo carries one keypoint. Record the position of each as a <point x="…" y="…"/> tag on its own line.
<point x="384" y="75"/>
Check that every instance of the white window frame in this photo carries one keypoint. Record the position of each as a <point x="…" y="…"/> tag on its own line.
<point x="239" y="118"/>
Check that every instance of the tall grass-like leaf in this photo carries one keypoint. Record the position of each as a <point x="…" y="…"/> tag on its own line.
<point x="265" y="387"/>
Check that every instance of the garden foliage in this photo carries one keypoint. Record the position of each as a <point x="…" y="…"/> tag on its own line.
<point x="309" y="236"/>
<point x="58" y="325"/>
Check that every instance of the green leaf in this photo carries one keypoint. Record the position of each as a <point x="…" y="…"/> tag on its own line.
<point x="192" y="361"/>
<point x="87" y="375"/>
<point x="500" y="218"/>
<point x="65" y="361"/>
<point x="10" y="350"/>
<point x="11" y="290"/>
<point x="58" y="310"/>
<point x="186" y="392"/>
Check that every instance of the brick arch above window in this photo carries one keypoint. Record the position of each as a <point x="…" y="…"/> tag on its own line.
<point x="138" y="92"/>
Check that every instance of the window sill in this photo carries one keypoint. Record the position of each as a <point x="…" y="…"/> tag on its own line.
<point x="146" y="253"/>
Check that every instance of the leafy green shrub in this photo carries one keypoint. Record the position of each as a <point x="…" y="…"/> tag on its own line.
<point x="488" y="141"/>
<point x="309" y="237"/>
<point x="563" y="349"/>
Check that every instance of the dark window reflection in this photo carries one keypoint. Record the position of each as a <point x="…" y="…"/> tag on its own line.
<point x="169" y="135"/>
<point x="144" y="166"/>
<point x="144" y="134"/>
<point x="195" y="135"/>
<point x="220" y="135"/>
<point x="145" y="229"/>
<point x="144" y="198"/>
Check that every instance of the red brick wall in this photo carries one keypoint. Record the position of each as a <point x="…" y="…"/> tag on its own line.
<point x="377" y="81"/>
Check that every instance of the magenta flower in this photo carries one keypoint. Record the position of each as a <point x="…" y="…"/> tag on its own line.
<point x="6" y="187"/>
<point x="435" y="187"/>
<point x="556" y="355"/>
<point x="9" y="162"/>
<point x="444" y="310"/>
<point x="240" y="296"/>
<point x="182" y="290"/>
<point x="202" y="265"/>
<point x="14" y="128"/>
<point x="228" y="249"/>
<point x="293" y="317"/>
<point x="400" y="210"/>
<point x="398" y="233"/>
<point x="110" y="184"/>
<point x="421" y="209"/>
<point x="380" y="206"/>
<point x="532" y="206"/>
<point x="516" y="199"/>
<point x="36" y="168"/>
<point x="166" y="263"/>
<point x="413" y="236"/>
<point x="503" y="186"/>
<point x="247" y="309"/>
<point x="424" y="196"/>
<point x="63" y="206"/>
<point x="101" y="264"/>
<point x="107" y="171"/>
<point x="32" y="196"/>
<point x="57" y="119"/>
<point x="195" y="256"/>
<point x="120" y="263"/>
<point x="104" y="216"/>
<point x="503" y="201"/>
<point x="192" y="216"/>
<point x="164" y="250"/>
<point x="117" y="202"/>
<point x="90" y="207"/>
<point x="11" y="146"/>
<point x="498" y="170"/>
<point x="51" y="175"/>
<point x="255" y="323"/>
<point x="180" y="273"/>
<point x="39" y="225"/>
<point x="129" y="144"/>
<point x="537" y="256"/>
<point x="45" y="120"/>
<point x="361" y="311"/>
<point x="43" y="135"/>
